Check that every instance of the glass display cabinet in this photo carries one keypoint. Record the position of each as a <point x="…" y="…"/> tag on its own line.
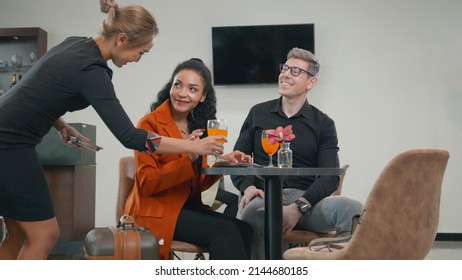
<point x="19" y="50"/>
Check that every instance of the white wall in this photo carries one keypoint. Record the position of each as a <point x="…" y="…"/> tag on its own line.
<point x="390" y="78"/>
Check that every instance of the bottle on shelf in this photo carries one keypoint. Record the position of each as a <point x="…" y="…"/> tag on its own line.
<point x="13" y="80"/>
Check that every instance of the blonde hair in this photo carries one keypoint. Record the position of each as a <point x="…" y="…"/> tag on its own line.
<point x="133" y="20"/>
<point x="313" y="62"/>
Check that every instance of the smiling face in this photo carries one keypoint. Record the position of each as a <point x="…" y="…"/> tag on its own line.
<point x="187" y="91"/>
<point x="125" y="53"/>
<point x="294" y="86"/>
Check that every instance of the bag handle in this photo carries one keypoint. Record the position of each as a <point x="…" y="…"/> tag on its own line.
<point x="126" y="221"/>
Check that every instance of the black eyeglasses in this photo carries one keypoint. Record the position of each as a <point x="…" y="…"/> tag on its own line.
<point x="295" y="71"/>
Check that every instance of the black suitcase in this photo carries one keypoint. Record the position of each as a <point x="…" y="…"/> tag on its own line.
<point x="127" y="241"/>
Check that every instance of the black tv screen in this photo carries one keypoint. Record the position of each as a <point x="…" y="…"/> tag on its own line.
<point x="252" y="54"/>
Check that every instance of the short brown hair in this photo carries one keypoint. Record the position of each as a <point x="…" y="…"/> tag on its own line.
<point x="313" y="62"/>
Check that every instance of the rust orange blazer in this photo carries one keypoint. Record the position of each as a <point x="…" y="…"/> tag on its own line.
<point x="164" y="182"/>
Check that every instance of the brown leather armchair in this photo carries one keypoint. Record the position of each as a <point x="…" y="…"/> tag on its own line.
<point x="400" y="219"/>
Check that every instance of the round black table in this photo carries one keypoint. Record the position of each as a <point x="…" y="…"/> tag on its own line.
<point x="273" y="177"/>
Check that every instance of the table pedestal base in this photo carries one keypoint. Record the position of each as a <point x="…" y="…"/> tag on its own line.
<point x="273" y="218"/>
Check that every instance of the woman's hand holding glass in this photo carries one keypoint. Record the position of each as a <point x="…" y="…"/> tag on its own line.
<point x="206" y="146"/>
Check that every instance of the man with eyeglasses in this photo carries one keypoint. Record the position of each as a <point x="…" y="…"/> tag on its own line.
<point x="307" y="201"/>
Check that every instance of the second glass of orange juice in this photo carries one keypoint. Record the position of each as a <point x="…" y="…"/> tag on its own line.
<point x="270" y="149"/>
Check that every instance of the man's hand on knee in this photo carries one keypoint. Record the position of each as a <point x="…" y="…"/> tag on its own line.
<point x="250" y="193"/>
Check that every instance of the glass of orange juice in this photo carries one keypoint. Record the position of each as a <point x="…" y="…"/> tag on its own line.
<point x="217" y="127"/>
<point x="270" y="149"/>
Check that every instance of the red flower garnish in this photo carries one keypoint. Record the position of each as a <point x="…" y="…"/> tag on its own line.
<point x="280" y="134"/>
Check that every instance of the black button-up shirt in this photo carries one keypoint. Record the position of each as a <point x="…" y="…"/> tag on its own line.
<point x="315" y="145"/>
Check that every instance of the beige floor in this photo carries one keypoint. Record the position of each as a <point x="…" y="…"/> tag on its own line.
<point x="446" y="250"/>
<point x="442" y="250"/>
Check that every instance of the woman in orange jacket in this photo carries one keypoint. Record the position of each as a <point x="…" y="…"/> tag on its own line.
<point x="166" y="197"/>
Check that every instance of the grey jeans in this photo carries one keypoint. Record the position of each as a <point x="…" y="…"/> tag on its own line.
<point x="329" y="214"/>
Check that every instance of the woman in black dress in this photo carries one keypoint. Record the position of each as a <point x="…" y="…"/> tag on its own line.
<point x="71" y="76"/>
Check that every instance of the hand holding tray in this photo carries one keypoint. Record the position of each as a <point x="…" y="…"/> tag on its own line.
<point x="82" y="144"/>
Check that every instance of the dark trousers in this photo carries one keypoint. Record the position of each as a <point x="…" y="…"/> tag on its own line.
<point x="231" y="200"/>
<point x="225" y="237"/>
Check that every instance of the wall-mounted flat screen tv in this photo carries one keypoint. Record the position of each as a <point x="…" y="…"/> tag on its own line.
<point x="252" y="54"/>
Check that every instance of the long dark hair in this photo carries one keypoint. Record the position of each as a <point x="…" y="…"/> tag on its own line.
<point x="204" y="110"/>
